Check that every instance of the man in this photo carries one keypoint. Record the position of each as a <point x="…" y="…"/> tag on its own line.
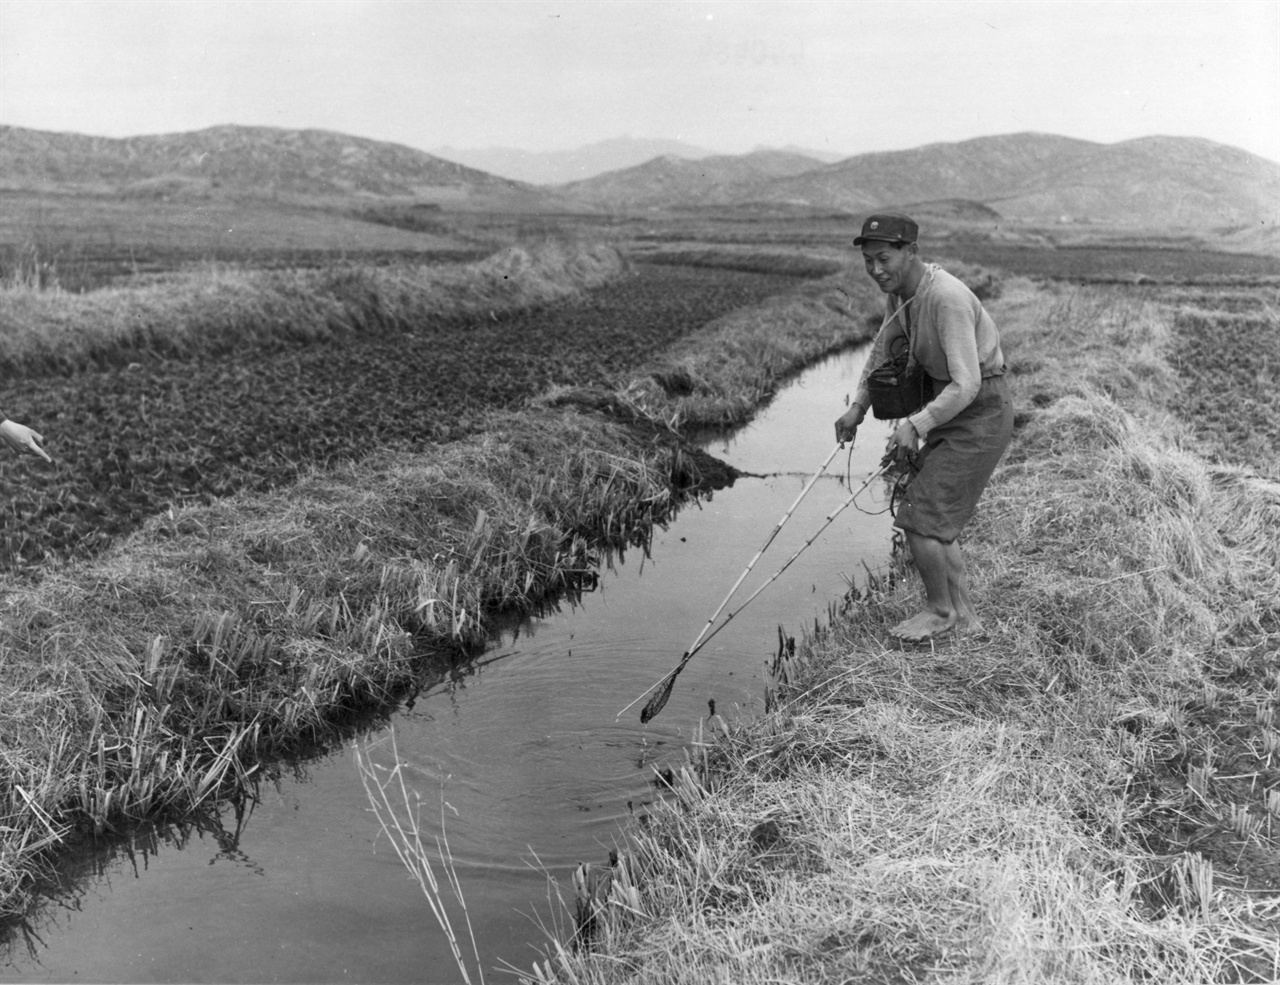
<point x="21" y="438"/>
<point x="955" y="440"/>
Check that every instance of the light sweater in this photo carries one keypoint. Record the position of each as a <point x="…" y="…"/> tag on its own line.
<point x="956" y="342"/>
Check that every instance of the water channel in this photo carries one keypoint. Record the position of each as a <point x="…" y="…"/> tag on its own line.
<point x="538" y="769"/>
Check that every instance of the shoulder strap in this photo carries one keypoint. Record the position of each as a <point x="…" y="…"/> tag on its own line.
<point x="907" y="327"/>
<point x="911" y="342"/>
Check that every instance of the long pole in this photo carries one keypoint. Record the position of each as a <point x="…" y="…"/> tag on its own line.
<point x="664" y="686"/>
<point x="696" y="644"/>
<point x="774" y="577"/>
<point x="668" y="681"/>
<point x="743" y="577"/>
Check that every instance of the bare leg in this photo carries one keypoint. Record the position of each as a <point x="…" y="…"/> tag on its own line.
<point x="934" y="561"/>
<point x="967" y="620"/>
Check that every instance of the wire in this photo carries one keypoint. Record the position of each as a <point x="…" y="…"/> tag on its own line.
<point x="900" y="479"/>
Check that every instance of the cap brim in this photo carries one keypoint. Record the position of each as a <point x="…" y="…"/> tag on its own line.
<point x="859" y="240"/>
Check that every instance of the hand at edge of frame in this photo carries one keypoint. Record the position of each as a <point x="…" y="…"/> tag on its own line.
<point x="21" y="438"/>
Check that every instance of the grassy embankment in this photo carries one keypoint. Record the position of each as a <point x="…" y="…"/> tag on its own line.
<point x="1088" y="792"/>
<point x="213" y="310"/>
<point x="160" y="673"/>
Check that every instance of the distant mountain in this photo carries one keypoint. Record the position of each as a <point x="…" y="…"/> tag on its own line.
<point x="825" y="156"/>
<point x="978" y="170"/>
<point x="264" y="161"/>
<point x="558" y="167"/>
<point x="1177" y="183"/>
<point x="1156" y="181"/>
<point x="668" y="180"/>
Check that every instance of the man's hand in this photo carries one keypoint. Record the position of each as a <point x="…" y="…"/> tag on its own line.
<point x="21" y="438"/>
<point x="904" y="442"/>
<point x="847" y="425"/>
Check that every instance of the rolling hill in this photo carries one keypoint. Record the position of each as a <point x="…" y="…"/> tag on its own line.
<point x="253" y="161"/>
<point x="580" y="163"/>
<point x="1184" y="185"/>
<point x="669" y="180"/>
<point x="1160" y="182"/>
<point x="558" y="167"/>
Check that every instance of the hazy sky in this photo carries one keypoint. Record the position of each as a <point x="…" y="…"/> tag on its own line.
<point x="840" y="76"/>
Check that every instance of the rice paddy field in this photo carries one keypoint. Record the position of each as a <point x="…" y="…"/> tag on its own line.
<point x="281" y="496"/>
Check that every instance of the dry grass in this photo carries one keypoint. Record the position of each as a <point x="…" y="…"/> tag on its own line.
<point x="221" y="308"/>
<point x="1086" y="793"/>
<point x="888" y="839"/>
<point x="397" y="805"/>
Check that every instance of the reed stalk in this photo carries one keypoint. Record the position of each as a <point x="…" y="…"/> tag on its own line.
<point x="398" y="809"/>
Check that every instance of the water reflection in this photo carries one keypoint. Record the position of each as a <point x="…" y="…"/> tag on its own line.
<point x="89" y="869"/>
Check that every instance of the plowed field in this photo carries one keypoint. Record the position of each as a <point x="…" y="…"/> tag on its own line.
<point x="1228" y="351"/>
<point x="129" y="442"/>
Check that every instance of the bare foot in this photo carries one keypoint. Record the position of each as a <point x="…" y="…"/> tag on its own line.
<point x="923" y="626"/>
<point x="971" y="626"/>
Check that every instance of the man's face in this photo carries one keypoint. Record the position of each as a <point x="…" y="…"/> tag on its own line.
<point x="887" y="264"/>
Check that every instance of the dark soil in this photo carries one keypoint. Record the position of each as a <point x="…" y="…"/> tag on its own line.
<point x="1228" y="352"/>
<point x="127" y="443"/>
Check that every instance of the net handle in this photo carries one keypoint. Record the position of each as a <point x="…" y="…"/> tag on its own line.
<point x="697" y="643"/>
<point x="667" y="682"/>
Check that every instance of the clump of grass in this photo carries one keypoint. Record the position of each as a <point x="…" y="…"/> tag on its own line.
<point x="27" y="267"/>
<point x="1075" y="339"/>
<point x="221" y="308"/>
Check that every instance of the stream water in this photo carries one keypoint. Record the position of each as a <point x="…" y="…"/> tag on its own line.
<point x="529" y="751"/>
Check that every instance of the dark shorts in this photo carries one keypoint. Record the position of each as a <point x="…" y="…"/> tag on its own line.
<point x="953" y="467"/>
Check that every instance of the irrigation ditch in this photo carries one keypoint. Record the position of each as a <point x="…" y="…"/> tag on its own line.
<point x="521" y="738"/>
<point x="1084" y="793"/>
<point x="162" y="679"/>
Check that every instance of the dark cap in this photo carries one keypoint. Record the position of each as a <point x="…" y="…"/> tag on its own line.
<point x="888" y="227"/>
